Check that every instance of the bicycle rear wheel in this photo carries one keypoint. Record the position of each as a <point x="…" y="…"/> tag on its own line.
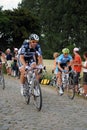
<point x="71" y="89"/>
<point x="2" y="81"/>
<point x="37" y="95"/>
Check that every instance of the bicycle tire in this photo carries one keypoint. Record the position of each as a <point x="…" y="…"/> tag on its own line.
<point x="2" y="81"/>
<point x="71" y="89"/>
<point x="37" y="99"/>
<point x="27" y="96"/>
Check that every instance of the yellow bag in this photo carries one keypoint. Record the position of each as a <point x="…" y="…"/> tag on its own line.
<point x="45" y="81"/>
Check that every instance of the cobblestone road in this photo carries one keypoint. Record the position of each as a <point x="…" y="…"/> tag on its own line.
<point x="58" y="113"/>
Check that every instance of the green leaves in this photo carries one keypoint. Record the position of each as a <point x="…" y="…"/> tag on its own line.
<point x="17" y="24"/>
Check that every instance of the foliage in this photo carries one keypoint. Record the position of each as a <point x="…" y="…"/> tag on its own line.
<point x="61" y="23"/>
<point x="16" y="25"/>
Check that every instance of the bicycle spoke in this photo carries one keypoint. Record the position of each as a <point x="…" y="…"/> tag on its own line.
<point x="37" y="96"/>
<point x="71" y="89"/>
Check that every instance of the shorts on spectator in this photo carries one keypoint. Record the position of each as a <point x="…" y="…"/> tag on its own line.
<point x="9" y="63"/>
<point x="85" y="78"/>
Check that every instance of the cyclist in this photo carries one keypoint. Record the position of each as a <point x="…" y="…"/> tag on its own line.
<point x="2" y="59"/>
<point x="39" y="59"/>
<point x="62" y="63"/>
<point x="27" y="58"/>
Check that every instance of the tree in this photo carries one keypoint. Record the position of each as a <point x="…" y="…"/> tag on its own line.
<point x="16" y="26"/>
<point x="63" y="22"/>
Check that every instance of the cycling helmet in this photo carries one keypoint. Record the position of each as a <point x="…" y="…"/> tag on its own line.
<point x="34" y="37"/>
<point x="65" y="50"/>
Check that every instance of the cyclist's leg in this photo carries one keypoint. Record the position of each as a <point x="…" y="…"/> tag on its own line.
<point x="22" y="79"/>
<point x="59" y="82"/>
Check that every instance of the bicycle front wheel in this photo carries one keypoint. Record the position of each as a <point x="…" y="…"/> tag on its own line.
<point x="27" y="96"/>
<point x="71" y="89"/>
<point x="37" y="95"/>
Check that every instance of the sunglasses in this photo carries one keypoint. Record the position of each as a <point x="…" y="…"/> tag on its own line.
<point x="33" y="41"/>
<point x="65" y="53"/>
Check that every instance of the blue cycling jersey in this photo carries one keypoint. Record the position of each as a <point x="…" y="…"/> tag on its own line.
<point x="63" y="60"/>
<point x="37" y="48"/>
<point x="29" y="53"/>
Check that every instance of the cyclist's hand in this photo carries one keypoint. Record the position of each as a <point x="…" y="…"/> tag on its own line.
<point x="27" y="67"/>
<point x="65" y="71"/>
<point x="40" y="66"/>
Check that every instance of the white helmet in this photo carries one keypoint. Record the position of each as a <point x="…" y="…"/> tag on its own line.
<point x="34" y="37"/>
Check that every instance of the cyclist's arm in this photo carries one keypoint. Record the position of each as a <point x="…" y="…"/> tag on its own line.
<point x="59" y="67"/>
<point x="40" y="57"/>
<point x="22" y="60"/>
<point x="40" y="60"/>
<point x="70" y="63"/>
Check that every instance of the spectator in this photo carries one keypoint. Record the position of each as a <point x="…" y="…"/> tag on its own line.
<point x="76" y="64"/>
<point x="84" y="66"/>
<point x="9" y="61"/>
<point x="15" y="69"/>
<point x="55" y="67"/>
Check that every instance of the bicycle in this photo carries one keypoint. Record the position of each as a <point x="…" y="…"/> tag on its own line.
<point x="53" y="81"/>
<point x="33" y="88"/>
<point x="2" y="80"/>
<point x="68" y="84"/>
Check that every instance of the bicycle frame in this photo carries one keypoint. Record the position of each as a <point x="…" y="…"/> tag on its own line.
<point x="69" y="83"/>
<point x="33" y="88"/>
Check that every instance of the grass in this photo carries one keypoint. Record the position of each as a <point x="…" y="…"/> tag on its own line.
<point x="49" y="66"/>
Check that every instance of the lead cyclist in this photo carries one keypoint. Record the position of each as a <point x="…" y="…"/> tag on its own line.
<point x="27" y="58"/>
<point x="62" y="63"/>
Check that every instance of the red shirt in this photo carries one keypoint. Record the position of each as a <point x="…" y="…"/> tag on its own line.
<point x="77" y="60"/>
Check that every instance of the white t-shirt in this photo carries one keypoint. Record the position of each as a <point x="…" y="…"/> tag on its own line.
<point x="85" y="64"/>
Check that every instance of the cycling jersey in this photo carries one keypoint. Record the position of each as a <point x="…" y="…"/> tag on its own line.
<point x="37" y="48"/>
<point x="29" y="53"/>
<point x="63" y="60"/>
